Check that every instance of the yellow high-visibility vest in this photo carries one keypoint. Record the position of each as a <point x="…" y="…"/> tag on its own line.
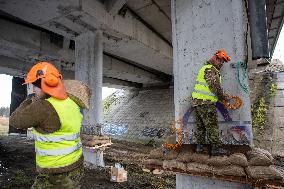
<point x="63" y="147"/>
<point x="201" y="90"/>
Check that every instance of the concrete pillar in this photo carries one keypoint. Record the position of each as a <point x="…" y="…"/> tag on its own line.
<point x="200" y="28"/>
<point x="184" y="182"/>
<point x="18" y="95"/>
<point x="89" y="69"/>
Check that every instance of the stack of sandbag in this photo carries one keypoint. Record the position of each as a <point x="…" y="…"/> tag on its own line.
<point x="195" y="163"/>
<point x="79" y="92"/>
<point x="260" y="165"/>
<point x="232" y="165"/>
<point x="171" y="162"/>
<point x="94" y="140"/>
<point x="156" y="157"/>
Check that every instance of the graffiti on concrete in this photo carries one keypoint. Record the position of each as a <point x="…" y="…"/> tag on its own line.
<point x="153" y="132"/>
<point x="115" y="129"/>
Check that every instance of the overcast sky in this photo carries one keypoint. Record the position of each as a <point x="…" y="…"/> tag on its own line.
<point x="6" y="81"/>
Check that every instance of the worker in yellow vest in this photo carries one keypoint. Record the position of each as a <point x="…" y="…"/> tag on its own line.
<point x="207" y="91"/>
<point x="56" y="122"/>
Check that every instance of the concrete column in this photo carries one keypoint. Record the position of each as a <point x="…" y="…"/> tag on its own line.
<point x="200" y="28"/>
<point x="89" y="69"/>
<point x="184" y="182"/>
<point x="18" y="95"/>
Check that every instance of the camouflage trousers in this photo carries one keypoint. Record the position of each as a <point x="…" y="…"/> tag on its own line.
<point x="68" y="180"/>
<point x="207" y="124"/>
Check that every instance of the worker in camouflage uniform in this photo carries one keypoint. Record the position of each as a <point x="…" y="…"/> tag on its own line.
<point x="207" y="91"/>
<point x="56" y="122"/>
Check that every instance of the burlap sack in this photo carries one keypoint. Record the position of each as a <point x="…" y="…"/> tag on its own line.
<point x="259" y="157"/>
<point x="169" y="155"/>
<point x="157" y="153"/>
<point x="79" y="92"/>
<point x="199" y="158"/>
<point x="230" y="170"/>
<point x="238" y="159"/>
<point x="219" y="161"/>
<point x="174" y="164"/>
<point x="184" y="156"/>
<point x="92" y="143"/>
<point x="154" y="162"/>
<point x="263" y="172"/>
<point x="169" y="164"/>
<point x="199" y="168"/>
<point x="93" y="137"/>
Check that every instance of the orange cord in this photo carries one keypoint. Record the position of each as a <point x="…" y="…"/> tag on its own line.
<point x="238" y="103"/>
<point x="179" y="131"/>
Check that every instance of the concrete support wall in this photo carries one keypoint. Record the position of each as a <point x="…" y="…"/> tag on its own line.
<point x="268" y="135"/>
<point x="88" y="68"/>
<point x="192" y="182"/>
<point x="200" y="28"/>
<point x="140" y="116"/>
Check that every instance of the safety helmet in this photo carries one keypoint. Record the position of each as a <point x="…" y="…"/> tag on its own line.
<point x="51" y="79"/>
<point x="222" y="54"/>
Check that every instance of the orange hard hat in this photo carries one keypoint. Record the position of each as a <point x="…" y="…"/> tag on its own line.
<point x="51" y="79"/>
<point x="222" y="54"/>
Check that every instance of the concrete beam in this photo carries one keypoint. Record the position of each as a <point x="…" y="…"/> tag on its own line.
<point x="113" y="6"/>
<point x="123" y="36"/>
<point x="30" y="45"/>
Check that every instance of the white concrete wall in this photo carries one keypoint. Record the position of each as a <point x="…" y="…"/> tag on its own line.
<point x="200" y="28"/>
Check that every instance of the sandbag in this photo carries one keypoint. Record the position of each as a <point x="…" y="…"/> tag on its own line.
<point x="174" y="164"/>
<point x="154" y="162"/>
<point x="198" y="168"/>
<point x="169" y="164"/>
<point x="92" y="143"/>
<point x="171" y="154"/>
<point x="230" y="170"/>
<point x="238" y="159"/>
<point x="79" y="92"/>
<point x="184" y="156"/>
<point x="219" y="161"/>
<point x="263" y="172"/>
<point x="199" y="158"/>
<point x="157" y="153"/>
<point x="259" y="157"/>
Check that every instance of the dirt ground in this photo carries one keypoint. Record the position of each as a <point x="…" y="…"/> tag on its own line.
<point x="17" y="166"/>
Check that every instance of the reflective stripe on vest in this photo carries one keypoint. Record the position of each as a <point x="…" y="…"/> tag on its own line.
<point x="63" y="147"/>
<point x="201" y="88"/>
<point x="56" y="138"/>
<point x="58" y="152"/>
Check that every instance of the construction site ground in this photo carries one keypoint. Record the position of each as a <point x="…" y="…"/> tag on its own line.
<point x="17" y="166"/>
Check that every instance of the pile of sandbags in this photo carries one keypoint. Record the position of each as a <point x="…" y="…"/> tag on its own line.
<point x="260" y="165"/>
<point x="79" y="92"/>
<point x="156" y="157"/>
<point x="94" y="140"/>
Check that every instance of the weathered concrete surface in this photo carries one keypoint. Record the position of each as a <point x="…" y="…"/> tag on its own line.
<point x="140" y="115"/>
<point x="198" y="32"/>
<point x="269" y="136"/>
<point x="124" y="36"/>
<point x="20" y="46"/>
<point x="195" y="182"/>
<point x="88" y="68"/>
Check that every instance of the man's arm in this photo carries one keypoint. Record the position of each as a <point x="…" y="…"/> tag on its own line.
<point x="39" y="114"/>
<point x="213" y="80"/>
